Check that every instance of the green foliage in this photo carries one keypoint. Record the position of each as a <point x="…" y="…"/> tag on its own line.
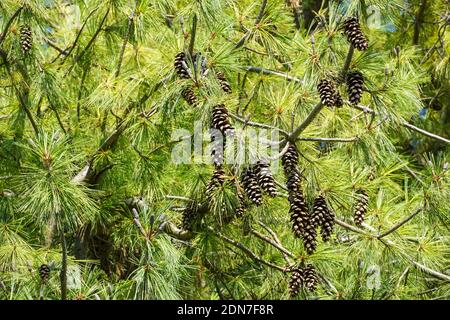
<point x="89" y="119"/>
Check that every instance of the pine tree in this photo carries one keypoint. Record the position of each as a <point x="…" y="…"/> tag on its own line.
<point x="96" y="163"/>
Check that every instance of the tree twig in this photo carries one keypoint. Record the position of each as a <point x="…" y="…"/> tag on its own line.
<point x="398" y="225"/>
<point x="8" y="24"/>
<point x="247" y="251"/>
<point x="272" y="72"/>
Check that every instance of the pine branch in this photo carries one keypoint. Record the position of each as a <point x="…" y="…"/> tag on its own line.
<point x="193" y="34"/>
<point x="272" y="243"/>
<point x="247" y="251"/>
<point x="257" y="124"/>
<point x="76" y="38"/>
<point x="127" y="36"/>
<point x="257" y="21"/>
<point x="398" y="225"/>
<point x="8" y="24"/>
<point x="272" y="72"/>
<point x="90" y="43"/>
<point x="425" y="133"/>
<point x="406" y="125"/>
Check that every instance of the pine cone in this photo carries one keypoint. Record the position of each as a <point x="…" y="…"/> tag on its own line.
<point x="327" y="225"/>
<point x="299" y="213"/>
<point x="189" y="216"/>
<point x="189" y="95"/>
<point x="26" y="38"/>
<point x="217" y="150"/>
<point x="328" y="93"/>
<point x="293" y="181"/>
<point x="44" y="272"/>
<point x="289" y="160"/>
<point x="181" y="67"/>
<point x="361" y="207"/>
<point x="354" y="34"/>
<point x="219" y="119"/>
<point x="265" y="178"/>
<point x="319" y="211"/>
<point x="224" y="84"/>
<point x="310" y="237"/>
<point x="296" y="281"/>
<point x="338" y="101"/>
<point x="250" y="185"/>
<point x="310" y="277"/>
<point x="355" y="82"/>
<point x="242" y="204"/>
<point x="217" y="180"/>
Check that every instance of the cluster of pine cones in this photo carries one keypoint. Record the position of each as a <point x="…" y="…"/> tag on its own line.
<point x="303" y="277"/>
<point x="184" y="72"/>
<point x="329" y="94"/>
<point x="255" y="180"/>
<point x="304" y="223"/>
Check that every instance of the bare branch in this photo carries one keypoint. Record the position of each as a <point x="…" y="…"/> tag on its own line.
<point x="272" y="72"/>
<point x="398" y="225"/>
<point x="247" y="251"/>
<point x="259" y="125"/>
<point x="424" y="132"/>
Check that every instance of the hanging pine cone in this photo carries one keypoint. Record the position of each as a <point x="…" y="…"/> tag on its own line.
<point x="224" y="84"/>
<point x="241" y="205"/>
<point x="310" y="237"/>
<point x="355" y="82"/>
<point x="181" y="67"/>
<point x="217" y="148"/>
<point x="189" y="216"/>
<point x="299" y="213"/>
<point x="338" y="101"/>
<point x="361" y="207"/>
<point x="250" y="185"/>
<point x="188" y="94"/>
<point x="310" y="277"/>
<point x="327" y="224"/>
<point x="26" y="38"/>
<point x="44" y="272"/>
<point x="319" y="211"/>
<point x="217" y="180"/>
<point x="293" y="181"/>
<point x="265" y="178"/>
<point x="327" y="92"/>
<point x="289" y="160"/>
<point x="354" y="34"/>
<point x="296" y="281"/>
<point x="219" y="119"/>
